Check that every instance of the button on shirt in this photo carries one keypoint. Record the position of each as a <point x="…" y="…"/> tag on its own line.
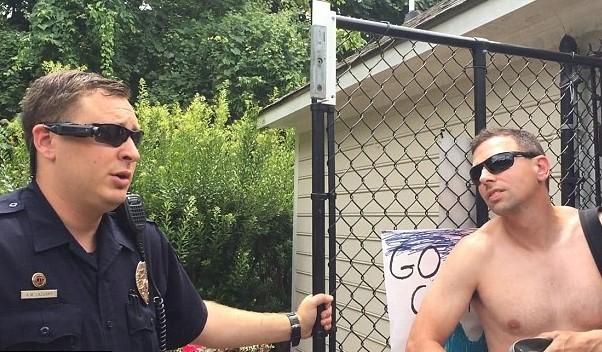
<point x="96" y="305"/>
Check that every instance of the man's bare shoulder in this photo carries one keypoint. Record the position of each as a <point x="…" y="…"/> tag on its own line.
<point x="484" y="237"/>
<point x="476" y="246"/>
<point x="565" y="211"/>
<point x="568" y="215"/>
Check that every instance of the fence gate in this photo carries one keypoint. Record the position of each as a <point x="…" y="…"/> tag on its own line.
<point x="396" y="152"/>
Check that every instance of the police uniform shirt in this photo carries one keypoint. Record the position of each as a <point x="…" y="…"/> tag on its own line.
<point x="96" y="305"/>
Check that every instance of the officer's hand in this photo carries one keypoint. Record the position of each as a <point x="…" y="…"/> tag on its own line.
<point x="308" y="309"/>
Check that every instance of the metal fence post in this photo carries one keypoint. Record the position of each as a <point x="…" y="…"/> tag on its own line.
<point x="480" y="113"/>
<point x="323" y="94"/>
<point x="595" y="100"/>
<point x="318" y="212"/>
<point x="568" y="178"/>
<point x="332" y="233"/>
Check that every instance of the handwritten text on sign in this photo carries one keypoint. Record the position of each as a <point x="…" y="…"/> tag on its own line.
<point x="412" y="259"/>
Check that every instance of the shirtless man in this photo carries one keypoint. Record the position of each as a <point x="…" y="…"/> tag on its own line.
<point x="528" y="271"/>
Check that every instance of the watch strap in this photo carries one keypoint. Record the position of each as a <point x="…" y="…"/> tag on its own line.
<point x="295" y="328"/>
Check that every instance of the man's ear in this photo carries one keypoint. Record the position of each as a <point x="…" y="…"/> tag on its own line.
<point x="43" y="140"/>
<point x="543" y="168"/>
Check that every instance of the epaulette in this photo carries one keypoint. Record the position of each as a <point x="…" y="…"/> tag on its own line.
<point x="10" y="203"/>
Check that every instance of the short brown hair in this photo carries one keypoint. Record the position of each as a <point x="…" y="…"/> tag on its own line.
<point x="49" y="97"/>
<point x="526" y="141"/>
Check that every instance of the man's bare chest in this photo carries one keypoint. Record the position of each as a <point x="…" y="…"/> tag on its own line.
<point x="528" y="296"/>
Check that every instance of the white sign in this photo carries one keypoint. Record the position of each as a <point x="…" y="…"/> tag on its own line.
<point x="411" y="261"/>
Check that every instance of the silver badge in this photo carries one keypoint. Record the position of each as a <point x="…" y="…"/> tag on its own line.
<point x="142" y="281"/>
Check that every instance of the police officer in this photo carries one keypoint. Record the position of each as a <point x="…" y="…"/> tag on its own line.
<point x="73" y="276"/>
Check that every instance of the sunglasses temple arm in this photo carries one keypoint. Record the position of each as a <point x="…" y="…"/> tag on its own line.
<point x="74" y="131"/>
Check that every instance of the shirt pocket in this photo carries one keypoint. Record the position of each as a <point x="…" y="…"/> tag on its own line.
<point x="141" y="326"/>
<point x="57" y="327"/>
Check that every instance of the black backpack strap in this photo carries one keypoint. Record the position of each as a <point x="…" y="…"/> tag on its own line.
<point x="593" y="233"/>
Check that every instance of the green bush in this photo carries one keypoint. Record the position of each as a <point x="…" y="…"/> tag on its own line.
<point x="14" y="161"/>
<point x="223" y="195"/>
<point x="221" y="192"/>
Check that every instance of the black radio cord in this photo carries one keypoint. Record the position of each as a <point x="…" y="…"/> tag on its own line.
<point x="132" y="213"/>
<point x="157" y="299"/>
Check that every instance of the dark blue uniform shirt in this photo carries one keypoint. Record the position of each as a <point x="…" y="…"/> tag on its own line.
<point x="97" y="306"/>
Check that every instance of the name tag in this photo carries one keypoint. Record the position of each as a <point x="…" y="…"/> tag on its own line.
<point x="34" y="294"/>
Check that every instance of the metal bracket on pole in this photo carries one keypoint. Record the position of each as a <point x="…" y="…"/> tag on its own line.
<point x="323" y="63"/>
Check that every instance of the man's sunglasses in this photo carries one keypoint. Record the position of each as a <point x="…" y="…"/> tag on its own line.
<point x="107" y="133"/>
<point x="497" y="163"/>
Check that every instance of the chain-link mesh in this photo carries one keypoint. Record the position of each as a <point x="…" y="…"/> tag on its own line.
<point x="526" y="93"/>
<point x="405" y="117"/>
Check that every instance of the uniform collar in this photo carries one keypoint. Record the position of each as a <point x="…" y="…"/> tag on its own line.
<point x="48" y="231"/>
<point x="116" y="232"/>
<point x="110" y="239"/>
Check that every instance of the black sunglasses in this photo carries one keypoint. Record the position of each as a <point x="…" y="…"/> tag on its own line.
<point x="107" y="133"/>
<point x="497" y="163"/>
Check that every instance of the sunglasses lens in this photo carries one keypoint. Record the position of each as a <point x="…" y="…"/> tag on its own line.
<point x="499" y="162"/>
<point x="137" y="137"/>
<point x="113" y="135"/>
<point x="475" y="174"/>
<point x="116" y="135"/>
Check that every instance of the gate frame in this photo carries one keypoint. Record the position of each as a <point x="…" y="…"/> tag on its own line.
<point x="323" y="103"/>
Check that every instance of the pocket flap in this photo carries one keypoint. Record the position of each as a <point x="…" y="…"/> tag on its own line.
<point x="140" y="317"/>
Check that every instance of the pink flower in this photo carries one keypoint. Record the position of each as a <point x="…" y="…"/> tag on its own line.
<point x="192" y="348"/>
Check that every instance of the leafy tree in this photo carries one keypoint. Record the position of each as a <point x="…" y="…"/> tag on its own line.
<point x="15" y="12"/>
<point x="424" y="5"/>
<point x="392" y="11"/>
<point x="256" y="48"/>
<point x="12" y="85"/>
<point x="251" y="52"/>
<point x="73" y="32"/>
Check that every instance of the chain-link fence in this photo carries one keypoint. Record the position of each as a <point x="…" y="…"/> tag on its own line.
<point x="397" y="153"/>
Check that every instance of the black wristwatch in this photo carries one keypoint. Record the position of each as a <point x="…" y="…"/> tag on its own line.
<point x="295" y="328"/>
